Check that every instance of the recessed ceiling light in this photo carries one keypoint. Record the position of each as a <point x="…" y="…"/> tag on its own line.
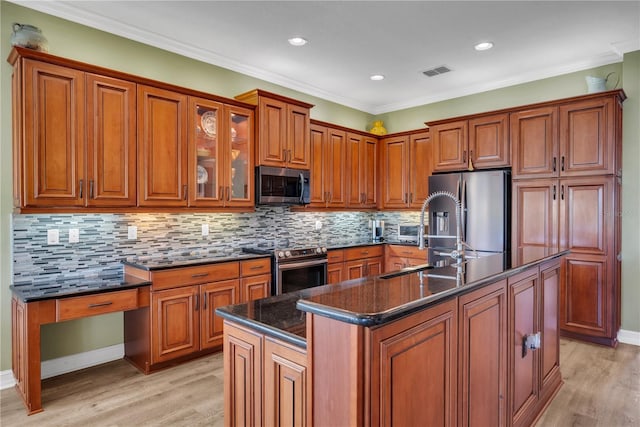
<point x="297" y="41"/>
<point x="483" y="46"/>
<point x="377" y="77"/>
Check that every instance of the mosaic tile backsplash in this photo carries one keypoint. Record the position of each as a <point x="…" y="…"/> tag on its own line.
<point x="104" y="240"/>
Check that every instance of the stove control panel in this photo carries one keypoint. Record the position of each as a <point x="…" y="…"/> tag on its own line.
<point x="301" y="253"/>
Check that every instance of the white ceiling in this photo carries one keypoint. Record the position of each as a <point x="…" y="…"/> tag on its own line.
<point x="349" y="41"/>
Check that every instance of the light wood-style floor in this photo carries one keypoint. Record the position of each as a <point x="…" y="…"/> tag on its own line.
<point x="602" y="388"/>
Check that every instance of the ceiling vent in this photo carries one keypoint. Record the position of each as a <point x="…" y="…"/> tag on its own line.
<point x="436" y="71"/>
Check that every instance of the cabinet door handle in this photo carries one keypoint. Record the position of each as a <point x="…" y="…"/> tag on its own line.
<point x="195" y="276"/>
<point x="410" y="197"/>
<point x="220" y="193"/>
<point x="470" y="155"/>
<point x="204" y="305"/>
<point x="464" y="156"/>
<point x="228" y="193"/>
<point x="100" y="304"/>
<point x="554" y="164"/>
<point x="81" y="185"/>
<point x="562" y="163"/>
<point x="184" y="192"/>
<point x="284" y="155"/>
<point x="197" y="302"/>
<point x="91" y="196"/>
<point x="562" y="192"/>
<point x="554" y="191"/>
<point x="530" y="342"/>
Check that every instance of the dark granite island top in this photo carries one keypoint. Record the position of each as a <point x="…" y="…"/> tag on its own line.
<point x="376" y="300"/>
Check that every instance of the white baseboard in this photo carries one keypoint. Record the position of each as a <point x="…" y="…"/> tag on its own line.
<point x="74" y="362"/>
<point x="629" y="337"/>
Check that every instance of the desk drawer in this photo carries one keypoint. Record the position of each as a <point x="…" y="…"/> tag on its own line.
<point x="185" y="276"/>
<point x="91" y="305"/>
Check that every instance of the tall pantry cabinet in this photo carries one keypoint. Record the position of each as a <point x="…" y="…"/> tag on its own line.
<point x="566" y="194"/>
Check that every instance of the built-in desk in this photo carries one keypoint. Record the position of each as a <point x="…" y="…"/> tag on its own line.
<point x="36" y="304"/>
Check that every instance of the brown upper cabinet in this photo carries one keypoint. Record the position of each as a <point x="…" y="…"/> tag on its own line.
<point x="478" y="142"/>
<point x="74" y="137"/>
<point x="283" y="129"/>
<point x="405" y="169"/>
<point x="362" y="164"/>
<point x="220" y="154"/>
<point x="162" y="147"/>
<point x="328" y="167"/>
<point x="577" y="138"/>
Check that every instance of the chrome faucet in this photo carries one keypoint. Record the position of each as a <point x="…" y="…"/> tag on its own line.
<point x="458" y="254"/>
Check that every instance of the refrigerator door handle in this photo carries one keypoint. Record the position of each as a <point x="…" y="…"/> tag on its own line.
<point x="463" y="219"/>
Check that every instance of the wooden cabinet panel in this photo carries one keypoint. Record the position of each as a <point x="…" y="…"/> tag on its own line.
<point x="319" y="161"/>
<point x="417" y="353"/>
<point x="54" y="128"/>
<point x="175" y="277"/>
<point x="523" y="320"/>
<point x="534" y="141"/>
<point x="243" y="377"/>
<point x="272" y="140"/>
<point x="335" y="273"/>
<point x="336" y="153"/>
<point x="489" y="141"/>
<point x="298" y="136"/>
<point x="482" y="361"/>
<point x="450" y="146"/>
<point x="361" y="171"/>
<point x="395" y="180"/>
<point x="285" y="384"/>
<point x="420" y="167"/>
<point x="215" y="295"/>
<point x="174" y="323"/>
<point x="587" y="138"/>
<point x="586" y="218"/>
<point x="91" y="305"/>
<point x="255" y="287"/>
<point x="550" y="320"/>
<point x="111" y="141"/>
<point x="255" y="267"/>
<point x="162" y="147"/>
<point x="369" y="180"/>
<point x="585" y="296"/>
<point x="362" y="252"/>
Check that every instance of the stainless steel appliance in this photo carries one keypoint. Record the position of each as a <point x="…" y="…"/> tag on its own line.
<point x="486" y="214"/>
<point x="409" y="232"/>
<point x="282" y="186"/>
<point x="295" y="269"/>
<point x="377" y="230"/>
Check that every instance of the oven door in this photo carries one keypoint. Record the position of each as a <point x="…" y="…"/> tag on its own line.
<point x="298" y="275"/>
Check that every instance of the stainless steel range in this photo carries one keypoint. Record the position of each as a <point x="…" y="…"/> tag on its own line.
<point x="295" y="269"/>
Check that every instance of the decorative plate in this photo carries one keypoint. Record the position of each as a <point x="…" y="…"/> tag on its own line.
<point x="203" y="176"/>
<point x="208" y="121"/>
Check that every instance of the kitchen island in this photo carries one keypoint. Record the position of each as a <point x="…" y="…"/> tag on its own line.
<point x="471" y="343"/>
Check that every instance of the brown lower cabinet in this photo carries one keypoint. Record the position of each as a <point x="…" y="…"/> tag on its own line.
<point x="458" y="362"/>
<point x="363" y="261"/>
<point x="398" y="257"/>
<point x="180" y="323"/>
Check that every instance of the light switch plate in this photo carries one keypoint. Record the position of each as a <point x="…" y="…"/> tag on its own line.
<point x="132" y="232"/>
<point x="205" y="230"/>
<point x="53" y="236"/>
<point x="74" y="235"/>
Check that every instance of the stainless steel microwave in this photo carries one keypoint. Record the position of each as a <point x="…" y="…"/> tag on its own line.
<point x="282" y="186"/>
<point x="409" y="232"/>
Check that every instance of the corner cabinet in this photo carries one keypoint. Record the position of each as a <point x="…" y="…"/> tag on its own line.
<point x="405" y="169"/>
<point x="74" y="136"/>
<point x="282" y="129"/>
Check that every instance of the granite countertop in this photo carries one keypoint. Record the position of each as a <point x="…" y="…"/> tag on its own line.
<point x="152" y="263"/>
<point x="31" y="291"/>
<point x="376" y="300"/>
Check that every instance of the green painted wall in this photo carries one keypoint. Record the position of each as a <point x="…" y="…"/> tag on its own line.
<point x="84" y="44"/>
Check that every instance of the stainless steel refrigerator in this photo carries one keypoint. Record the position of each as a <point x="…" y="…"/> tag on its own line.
<point x="486" y="218"/>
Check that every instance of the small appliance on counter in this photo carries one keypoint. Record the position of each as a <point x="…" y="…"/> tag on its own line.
<point x="409" y="232"/>
<point x="377" y="230"/>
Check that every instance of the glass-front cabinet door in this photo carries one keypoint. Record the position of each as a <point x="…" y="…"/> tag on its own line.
<point x="220" y="154"/>
<point x="240" y="170"/>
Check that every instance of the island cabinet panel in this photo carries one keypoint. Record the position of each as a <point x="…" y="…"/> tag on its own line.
<point x="413" y="369"/>
<point x="243" y="360"/>
<point x="482" y="357"/>
<point x="285" y="384"/>
<point x="550" y="378"/>
<point x="162" y="147"/>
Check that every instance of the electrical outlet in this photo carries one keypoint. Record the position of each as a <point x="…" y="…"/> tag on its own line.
<point x="318" y="225"/>
<point x="132" y="232"/>
<point x="53" y="236"/>
<point x="74" y="235"/>
<point x="205" y="230"/>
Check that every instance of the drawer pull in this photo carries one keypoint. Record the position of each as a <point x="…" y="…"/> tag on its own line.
<point x="195" y="276"/>
<point x="257" y="267"/>
<point x="100" y="304"/>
